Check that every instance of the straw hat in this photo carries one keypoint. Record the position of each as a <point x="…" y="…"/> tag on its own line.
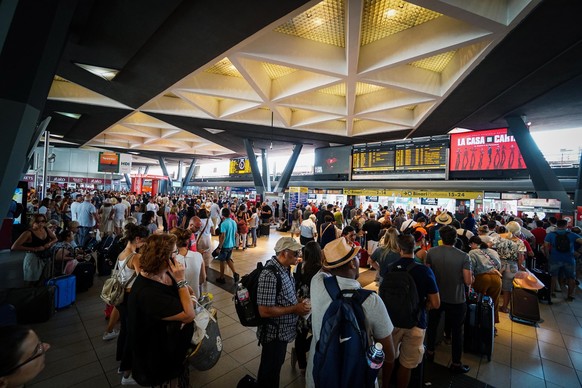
<point x="338" y="252"/>
<point x="444" y="218"/>
<point x="525" y="279"/>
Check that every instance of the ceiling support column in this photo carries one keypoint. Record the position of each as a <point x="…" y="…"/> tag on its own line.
<point x="166" y="186"/>
<point x="127" y="181"/>
<point x="257" y="180"/>
<point x="545" y="182"/>
<point x="286" y="175"/>
<point x="189" y="174"/>
<point x="32" y="37"/>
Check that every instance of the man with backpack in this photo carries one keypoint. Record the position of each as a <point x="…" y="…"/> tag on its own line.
<point x="452" y="269"/>
<point x="559" y="249"/>
<point x="408" y="290"/>
<point x="342" y="311"/>
<point x="279" y="307"/>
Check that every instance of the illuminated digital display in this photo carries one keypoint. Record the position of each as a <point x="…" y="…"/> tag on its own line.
<point x="239" y="166"/>
<point x="492" y="149"/>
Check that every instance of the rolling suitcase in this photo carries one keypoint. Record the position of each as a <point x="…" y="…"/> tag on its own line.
<point x="265" y="229"/>
<point x="525" y="307"/>
<point x="65" y="290"/>
<point x="33" y="305"/>
<point x="544" y="294"/>
<point x="85" y="273"/>
<point x="480" y="326"/>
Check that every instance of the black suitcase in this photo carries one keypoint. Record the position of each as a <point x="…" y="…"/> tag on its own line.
<point x="33" y="305"/>
<point x="544" y="294"/>
<point x="480" y="326"/>
<point x="525" y="307"/>
<point x="265" y="229"/>
<point x="85" y="273"/>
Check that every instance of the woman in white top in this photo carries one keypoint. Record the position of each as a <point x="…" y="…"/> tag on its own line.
<point x="204" y="239"/>
<point x="194" y="269"/>
<point x="128" y="265"/>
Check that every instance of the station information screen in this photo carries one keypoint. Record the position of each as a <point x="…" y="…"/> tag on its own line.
<point x="239" y="166"/>
<point x="421" y="156"/>
<point x="399" y="158"/>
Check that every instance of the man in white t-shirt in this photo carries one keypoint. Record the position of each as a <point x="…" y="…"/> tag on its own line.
<point x="341" y="260"/>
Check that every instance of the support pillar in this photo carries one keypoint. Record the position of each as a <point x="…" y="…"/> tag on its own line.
<point x="32" y="37"/>
<point x="189" y="174"/>
<point x="546" y="183"/>
<point x="289" y="167"/>
<point x="258" y="181"/>
<point x="127" y="181"/>
<point x="166" y="185"/>
<point x="578" y="192"/>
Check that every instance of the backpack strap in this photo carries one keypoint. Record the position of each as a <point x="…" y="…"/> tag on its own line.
<point x="333" y="289"/>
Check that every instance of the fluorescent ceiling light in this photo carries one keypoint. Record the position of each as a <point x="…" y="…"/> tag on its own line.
<point x="103" y="72"/>
<point x="57" y="136"/>
<point x="75" y="116"/>
<point x="133" y="152"/>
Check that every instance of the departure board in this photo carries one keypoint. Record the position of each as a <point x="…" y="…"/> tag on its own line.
<point x="373" y="158"/>
<point x="407" y="159"/>
<point x="421" y="156"/>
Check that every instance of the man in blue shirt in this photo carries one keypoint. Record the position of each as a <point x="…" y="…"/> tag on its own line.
<point x="226" y="243"/>
<point x="562" y="262"/>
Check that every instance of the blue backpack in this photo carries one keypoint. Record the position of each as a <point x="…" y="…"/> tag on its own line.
<point x="340" y="353"/>
<point x="437" y="238"/>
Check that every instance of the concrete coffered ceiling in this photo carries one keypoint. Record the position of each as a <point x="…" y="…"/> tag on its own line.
<point x="194" y="80"/>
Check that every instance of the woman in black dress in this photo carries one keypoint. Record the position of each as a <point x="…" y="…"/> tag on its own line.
<point x="161" y="315"/>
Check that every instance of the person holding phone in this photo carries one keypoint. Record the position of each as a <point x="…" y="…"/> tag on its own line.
<point x="161" y="316"/>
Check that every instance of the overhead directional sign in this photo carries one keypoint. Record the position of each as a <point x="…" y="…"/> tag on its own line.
<point x="416" y="193"/>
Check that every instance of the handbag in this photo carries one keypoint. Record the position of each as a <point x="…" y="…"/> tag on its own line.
<point x="201" y="248"/>
<point x="206" y="340"/>
<point x="215" y="252"/>
<point x="114" y="289"/>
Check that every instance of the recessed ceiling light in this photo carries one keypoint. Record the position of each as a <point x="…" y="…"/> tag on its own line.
<point x="103" y="72"/>
<point x="390" y="13"/>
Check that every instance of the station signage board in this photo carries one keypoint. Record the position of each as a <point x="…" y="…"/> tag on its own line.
<point x="415" y="193"/>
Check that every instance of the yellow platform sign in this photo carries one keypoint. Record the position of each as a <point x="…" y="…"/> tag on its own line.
<point x="416" y="193"/>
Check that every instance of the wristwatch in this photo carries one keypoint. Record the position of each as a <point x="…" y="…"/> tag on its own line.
<point x="182" y="283"/>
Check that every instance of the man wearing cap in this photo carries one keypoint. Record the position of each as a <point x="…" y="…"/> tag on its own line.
<point x="341" y="261"/>
<point x="281" y="305"/>
<point x="452" y="269"/>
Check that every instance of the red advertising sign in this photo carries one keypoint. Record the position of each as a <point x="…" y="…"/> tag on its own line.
<point x="492" y="149"/>
<point x="78" y="180"/>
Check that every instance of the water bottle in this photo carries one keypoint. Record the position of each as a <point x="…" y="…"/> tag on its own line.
<point x="375" y="356"/>
<point x="242" y="293"/>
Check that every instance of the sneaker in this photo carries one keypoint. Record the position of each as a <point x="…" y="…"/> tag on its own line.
<point x="108" y="336"/>
<point x="458" y="369"/>
<point x="236" y="277"/>
<point x="221" y="280"/>
<point x="128" y="381"/>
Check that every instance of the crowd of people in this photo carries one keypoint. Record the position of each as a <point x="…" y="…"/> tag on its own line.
<point x="168" y="247"/>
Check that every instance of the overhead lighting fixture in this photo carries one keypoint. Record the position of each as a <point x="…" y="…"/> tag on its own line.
<point x="390" y="13"/>
<point x="75" y="116"/>
<point x="57" y="136"/>
<point x="103" y="72"/>
<point x="133" y="152"/>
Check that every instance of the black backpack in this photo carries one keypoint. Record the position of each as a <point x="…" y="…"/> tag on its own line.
<point x="340" y="353"/>
<point x="247" y="309"/>
<point x="562" y="242"/>
<point x="399" y="293"/>
<point x="463" y="242"/>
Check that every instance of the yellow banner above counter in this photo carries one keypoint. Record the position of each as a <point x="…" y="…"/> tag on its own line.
<point x="416" y="193"/>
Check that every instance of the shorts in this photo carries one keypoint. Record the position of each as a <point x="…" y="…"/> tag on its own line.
<point x="409" y="345"/>
<point x="295" y="227"/>
<point x="563" y="269"/>
<point x="225" y="254"/>
<point x="508" y="270"/>
<point x="118" y="222"/>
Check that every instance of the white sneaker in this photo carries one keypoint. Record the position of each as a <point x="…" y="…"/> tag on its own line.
<point x="128" y="381"/>
<point x="111" y="335"/>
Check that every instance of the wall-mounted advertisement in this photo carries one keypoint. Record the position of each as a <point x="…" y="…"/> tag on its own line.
<point x="125" y="163"/>
<point x="492" y="149"/>
<point x="108" y="162"/>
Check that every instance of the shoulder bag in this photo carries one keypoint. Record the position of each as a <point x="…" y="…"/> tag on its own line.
<point x="113" y="288"/>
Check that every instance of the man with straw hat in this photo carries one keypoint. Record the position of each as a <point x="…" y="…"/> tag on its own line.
<point x="341" y="261"/>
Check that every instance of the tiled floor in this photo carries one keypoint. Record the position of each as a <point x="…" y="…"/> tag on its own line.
<point x="547" y="356"/>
